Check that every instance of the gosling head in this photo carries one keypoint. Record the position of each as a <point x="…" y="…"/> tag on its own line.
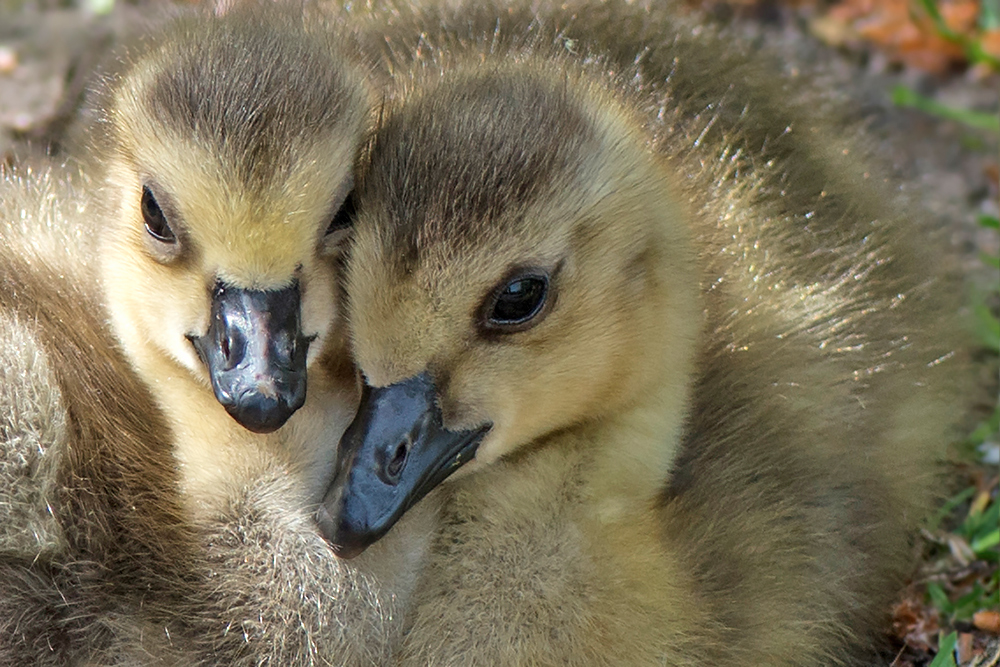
<point x="519" y="267"/>
<point x="229" y="145"/>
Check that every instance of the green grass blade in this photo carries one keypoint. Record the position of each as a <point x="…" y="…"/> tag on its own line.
<point x="949" y="507"/>
<point x="987" y="541"/>
<point x="977" y="437"/>
<point x="939" y="23"/>
<point x="973" y="48"/>
<point x="987" y="326"/>
<point x="989" y="15"/>
<point x="904" y="97"/>
<point x="946" y="650"/>
<point x="939" y="598"/>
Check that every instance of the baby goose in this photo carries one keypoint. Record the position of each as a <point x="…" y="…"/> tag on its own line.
<point x="225" y="147"/>
<point x="90" y="530"/>
<point x="98" y="563"/>
<point x="240" y="576"/>
<point x="691" y="372"/>
<point x="228" y="145"/>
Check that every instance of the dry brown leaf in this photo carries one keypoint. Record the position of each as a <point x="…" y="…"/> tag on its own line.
<point x="987" y="621"/>
<point x="915" y="623"/>
<point x="965" y="648"/>
<point x="904" y="34"/>
<point x="990" y="41"/>
<point x="993" y="173"/>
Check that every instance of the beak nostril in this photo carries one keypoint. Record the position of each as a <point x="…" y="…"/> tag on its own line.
<point x="398" y="461"/>
<point x="233" y="347"/>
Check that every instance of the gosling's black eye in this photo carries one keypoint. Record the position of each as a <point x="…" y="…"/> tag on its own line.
<point x="515" y="305"/>
<point x="156" y="222"/>
<point x="344" y="218"/>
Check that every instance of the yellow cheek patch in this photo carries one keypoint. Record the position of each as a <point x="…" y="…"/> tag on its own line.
<point x="253" y="235"/>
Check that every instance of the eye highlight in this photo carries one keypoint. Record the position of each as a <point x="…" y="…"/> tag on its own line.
<point x="155" y="221"/>
<point x="518" y="303"/>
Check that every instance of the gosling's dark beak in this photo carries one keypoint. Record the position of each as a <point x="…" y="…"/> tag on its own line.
<point x="393" y="453"/>
<point x="256" y="354"/>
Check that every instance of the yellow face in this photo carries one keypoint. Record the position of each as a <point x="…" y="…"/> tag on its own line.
<point x="224" y="178"/>
<point x="518" y="266"/>
<point x="253" y="240"/>
<point x="546" y="322"/>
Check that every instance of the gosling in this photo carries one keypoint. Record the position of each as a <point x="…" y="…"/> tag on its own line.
<point x="689" y="371"/>
<point x="246" y="579"/>
<point x="93" y="550"/>
<point x="226" y="146"/>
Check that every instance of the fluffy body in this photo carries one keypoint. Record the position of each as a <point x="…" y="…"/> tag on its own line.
<point x="715" y="445"/>
<point x="102" y="563"/>
<point x="245" y="127"/>
<point x="91" y="529"/>
<point x="142" y="524"/>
